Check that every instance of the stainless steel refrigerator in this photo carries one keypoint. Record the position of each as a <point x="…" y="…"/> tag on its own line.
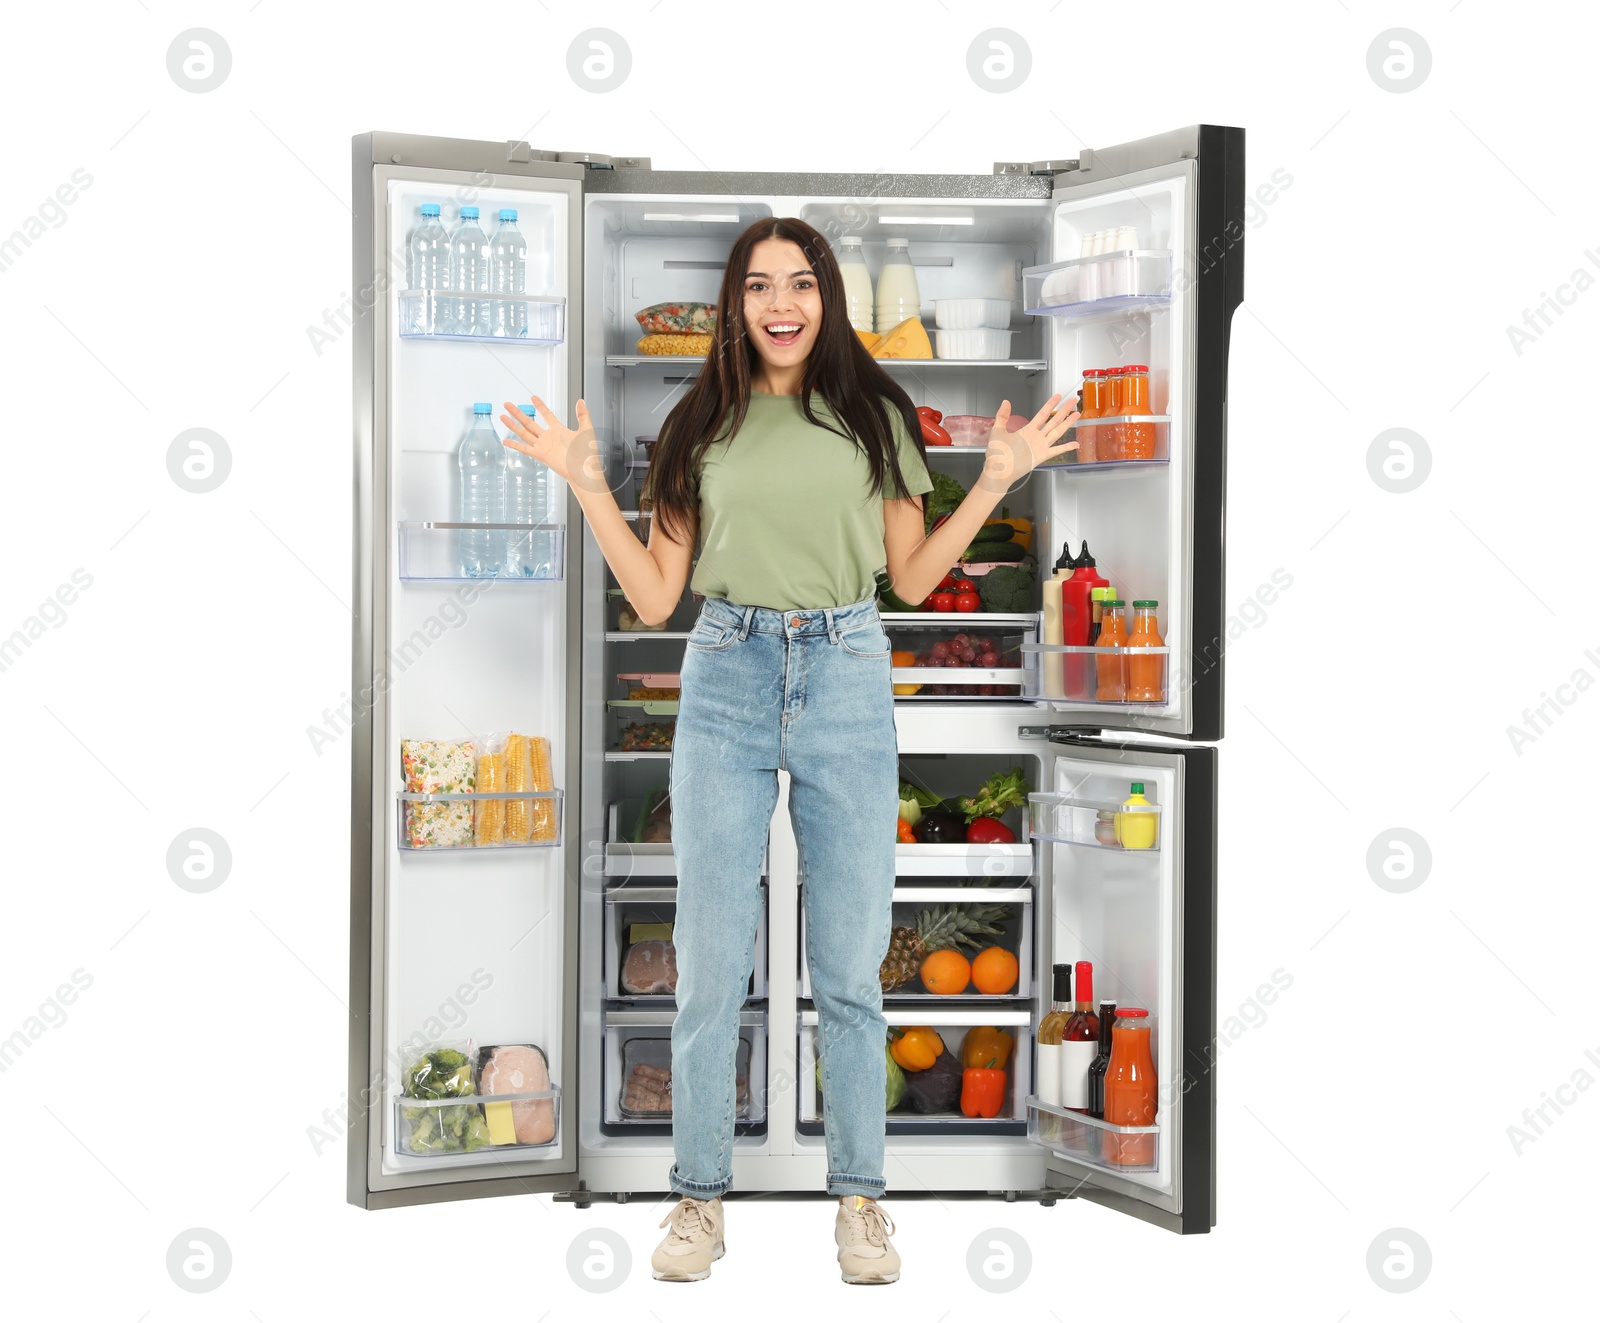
<point x="469" y="936"/>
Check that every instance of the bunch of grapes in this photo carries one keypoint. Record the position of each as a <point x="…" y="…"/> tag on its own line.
<point x="965" y="650"/>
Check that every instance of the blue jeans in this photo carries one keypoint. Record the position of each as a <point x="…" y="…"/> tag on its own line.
<point x="807" y="691"/>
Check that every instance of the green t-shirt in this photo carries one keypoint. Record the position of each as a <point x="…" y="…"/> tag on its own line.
<point x="786" y="515"/>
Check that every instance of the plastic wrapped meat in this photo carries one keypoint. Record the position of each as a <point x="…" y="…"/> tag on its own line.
<point x="650" y="967"/>
<point x="648" y="1089"/>
<point x="520" y="1070"/>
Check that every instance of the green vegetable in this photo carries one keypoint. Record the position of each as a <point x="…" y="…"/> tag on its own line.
<point x="911" y="811"/>
<point x="993" y="533"/>
<point x="886" y="596"/>
<point x="1001" y="791"/>
<point x="982" y="551"/>
<point x="1007" y="588"/>
<point x="936" y="1089"/>
<point x="443" y="1073"/>
<point x="946" y="496"/>
<point x="924" y="797"/>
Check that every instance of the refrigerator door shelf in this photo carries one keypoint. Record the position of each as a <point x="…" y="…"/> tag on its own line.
<point x="420" y="1123"/>
<point x="1044" y="682"/>
<point x="430" y="551"/>
<point x="1070" y="821"/>
<point x="1082" y="1138"/>
<point x="1029" y="365"/>
<point x="1015" y="936"/>
<point x="1097" y="434"/>
<point x="1132" y="280"/>
<point x="463" y="820"/>
<point x="952" y="1026"/>
<point x="627" y="905"/>
<point x="420" y="309"/>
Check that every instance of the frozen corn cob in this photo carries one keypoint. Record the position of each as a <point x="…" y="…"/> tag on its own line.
<point x="489" y="815"/>
<point x="541" y="778"/>
<point x="519" y="771"/>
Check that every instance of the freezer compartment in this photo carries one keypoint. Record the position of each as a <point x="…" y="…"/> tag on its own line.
<point x="1099" y="824"/>
<point x="432" y="550"/>
<point x="450" y="1127"/>
<point x="498" y="820"/>
<point x="528" y="319"/>
<point x="636" y="1076"/>
<point x="971" y="656"/>
<point x="640" y="964"/>
<point x="952" y="1027"/>
<point x="1104" y="284"/>
<point x="639" y="826"/>
<point x="1083" y="1138"/>
<point x="1081" y="674"/>
<point x="929" y="912"/>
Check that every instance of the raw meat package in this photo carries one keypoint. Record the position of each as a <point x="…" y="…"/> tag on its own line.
<point x="438" y="767"/>
<point x="647" y="1079"/>
<point x="650" y="966"/>
<point x="517" y="1069"/>
<point x="677" y="319"/>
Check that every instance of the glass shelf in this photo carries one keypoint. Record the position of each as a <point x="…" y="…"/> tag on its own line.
<point x="431" y="550"/>
<point x="679" y="360"/>
<point x="459" y="821"/>
<point x="1103" y="285"/>
<point x="540" y="319"/>
<point x="1069" y="820"/>
<point x="1083" y="1138"/>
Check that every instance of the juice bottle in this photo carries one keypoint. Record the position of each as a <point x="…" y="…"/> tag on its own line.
<point x="1109" y="444"/>
<point x="1089" y="407"/>
<point x="1136" y="826"/>
<point x="1138" y="439"/>
<point x="1146" y="674"/>
<point x="1111" y="671"/>
<point x="1079" y="674"/>
<point x="1131" y="1089"/>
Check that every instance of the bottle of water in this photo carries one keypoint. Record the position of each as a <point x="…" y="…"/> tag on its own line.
<point x="469" y="271"/>
<point x="529" y="552"/>
<point x="508" y="261"/>
<point x="482" y="460"/>
<point x="427" y="267"/>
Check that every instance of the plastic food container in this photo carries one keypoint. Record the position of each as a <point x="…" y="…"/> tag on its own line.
<point x="647" y="1079"/>
<point x="968" y="429"/>
<point x="971" y="314"/>
<point x="986" y="343"/>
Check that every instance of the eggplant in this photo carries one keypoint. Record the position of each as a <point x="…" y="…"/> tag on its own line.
<point x="939" y="826"/>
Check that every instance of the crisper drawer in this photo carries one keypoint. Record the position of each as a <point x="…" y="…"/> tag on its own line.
<point x="976" y="655"/>
<point x="932" y="922"/>
<point x="640" y="960"/>
<point x="636" y="1074"/>
<point x="952" y="1027"/>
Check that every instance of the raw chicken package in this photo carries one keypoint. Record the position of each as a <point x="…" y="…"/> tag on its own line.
<point x="650" y="967"/>
<point x="518" y="1068"/>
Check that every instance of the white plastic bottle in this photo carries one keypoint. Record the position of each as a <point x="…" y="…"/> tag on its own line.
<point x="427" y="267"/>
<point x="898" y="296"/>
<point x="527" y="501"/>
<point x="857" y="282"/>
<point x="469" y="270"/>
<point x="482" y="462"/>
<point x="508" y="266"/>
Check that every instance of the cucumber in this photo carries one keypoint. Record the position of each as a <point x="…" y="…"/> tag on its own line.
<point x="994" y="533"/>
<point x="982" y="551"/>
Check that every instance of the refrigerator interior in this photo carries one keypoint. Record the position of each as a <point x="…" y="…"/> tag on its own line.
<point x="471" y="937"/>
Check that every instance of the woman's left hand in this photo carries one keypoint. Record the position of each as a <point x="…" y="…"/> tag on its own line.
<point x="1013" y="455"/>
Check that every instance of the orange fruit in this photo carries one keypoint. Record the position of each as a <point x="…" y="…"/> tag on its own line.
<point x="994" y="970"/>
<point x="902" y="658"/>
<point x="946" y="973"/>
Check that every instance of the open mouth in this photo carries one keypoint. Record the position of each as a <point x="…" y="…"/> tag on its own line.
<point x="783" y="333"/>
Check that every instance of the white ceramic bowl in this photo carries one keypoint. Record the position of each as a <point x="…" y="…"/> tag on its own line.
<point x="972" y="344"/>
<point x="971" y="314"/>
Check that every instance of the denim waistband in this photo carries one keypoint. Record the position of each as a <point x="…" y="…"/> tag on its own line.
<point x="811" y="620"/>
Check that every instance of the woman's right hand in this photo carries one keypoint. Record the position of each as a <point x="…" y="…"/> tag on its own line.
<point x="571" y="455"/>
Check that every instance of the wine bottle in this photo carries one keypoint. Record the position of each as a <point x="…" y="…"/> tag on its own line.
<point x="1097" y="1067"/>
<point x="1080" y="1041"/>
<point x="1048" y="1085"/>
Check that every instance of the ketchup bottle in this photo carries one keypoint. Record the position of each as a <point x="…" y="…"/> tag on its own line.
<point x="1076" y="619"/>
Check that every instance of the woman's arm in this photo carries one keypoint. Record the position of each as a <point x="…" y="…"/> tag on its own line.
<point x="916" y="562"/>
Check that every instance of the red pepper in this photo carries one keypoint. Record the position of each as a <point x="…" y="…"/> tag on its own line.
<point x="989" y="831"/>
<point x="934" y="435"/>
<point x="929" y="415"/>
<point x="943" y="601"/>
<point x="983" y="1090"/>
<point x="968" y="601"/>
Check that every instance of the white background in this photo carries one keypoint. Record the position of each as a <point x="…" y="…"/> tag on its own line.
<point x="1376" y="692"/>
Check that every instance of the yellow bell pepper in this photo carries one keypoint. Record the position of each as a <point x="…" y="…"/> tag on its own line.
<point x="916" y="1048"/>
<point x="983" y="1044"/>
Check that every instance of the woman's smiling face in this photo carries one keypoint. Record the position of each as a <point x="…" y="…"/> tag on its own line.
<point x="782" y="302"/>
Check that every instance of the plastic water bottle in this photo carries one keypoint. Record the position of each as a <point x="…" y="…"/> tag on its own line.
<point x="469" y="270"/>
<point x="508" y="263"/>
<point x="427" y="267"/>
<point x="482" y="460"/>
<point x="530" y="553"/>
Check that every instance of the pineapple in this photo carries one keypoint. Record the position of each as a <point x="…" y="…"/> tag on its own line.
<point x="938" y="928"/>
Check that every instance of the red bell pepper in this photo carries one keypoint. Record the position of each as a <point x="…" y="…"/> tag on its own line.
<point x="934" y="435"/>
<point x="989" y="831"/>
<point x="929" y="415"/>
<point x="983" y="1090"/>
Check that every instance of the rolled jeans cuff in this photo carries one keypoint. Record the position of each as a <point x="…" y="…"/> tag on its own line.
<point x="696" y="1190"/>
<point x="842" y="1183"/>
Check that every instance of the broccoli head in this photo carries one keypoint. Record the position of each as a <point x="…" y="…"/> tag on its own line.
<point x="1007" y="588"/>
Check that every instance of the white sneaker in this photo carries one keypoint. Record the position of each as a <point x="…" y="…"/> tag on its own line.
<point x="862" y="1234"/>
<point x="694" y="1240"/>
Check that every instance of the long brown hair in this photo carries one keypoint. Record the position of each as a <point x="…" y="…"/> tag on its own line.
<point x="862" y="396"/>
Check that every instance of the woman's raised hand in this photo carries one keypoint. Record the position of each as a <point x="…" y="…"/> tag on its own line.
<point x="1013" y="455"/>
<point x="572" y="455"/>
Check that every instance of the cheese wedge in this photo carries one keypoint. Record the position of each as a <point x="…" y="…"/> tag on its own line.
<point x="502" y="1128"/>
<point x="907" y="340"/>
<point x="869" y="339"/>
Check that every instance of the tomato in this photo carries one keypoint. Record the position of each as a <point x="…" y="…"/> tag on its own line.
<point x="965" y="586"/>
<point x="949" y="581"/>
<point x="943" y="601"/>
<point x="968" y="601"/>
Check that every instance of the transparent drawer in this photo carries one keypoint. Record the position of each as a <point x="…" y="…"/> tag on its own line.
<point x="519" y="553"/>
<point x="637" y="1069"/>
<point x="1104" y="284"/>
<point x="481" y="1117"/>
<point x="448" y="314"/>
<point x="952" y="1027"/>
<point x="943" y="654"/>
<point x="500" y="820"/>
<point x="1100" y="825"/>
<point x="1076" y="674"/>
<point x="1081" y="1137"/>
<point x="640" y="962"/>
<point x="1007" y="909"/>
<point x="638" y="727"/>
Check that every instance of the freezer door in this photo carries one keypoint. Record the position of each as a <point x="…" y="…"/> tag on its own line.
<point x="1150" y="505"/>
<point x="1146" y="919"/>
<point x="469" y="946"/>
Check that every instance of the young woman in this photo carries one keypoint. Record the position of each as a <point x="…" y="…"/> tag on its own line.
<point x="795" y="463"/>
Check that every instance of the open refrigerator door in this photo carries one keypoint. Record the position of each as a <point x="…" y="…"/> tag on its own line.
<point x="463" y="936"/>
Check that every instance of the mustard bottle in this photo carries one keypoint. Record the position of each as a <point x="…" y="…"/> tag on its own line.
<point x="1136" y="823"/>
